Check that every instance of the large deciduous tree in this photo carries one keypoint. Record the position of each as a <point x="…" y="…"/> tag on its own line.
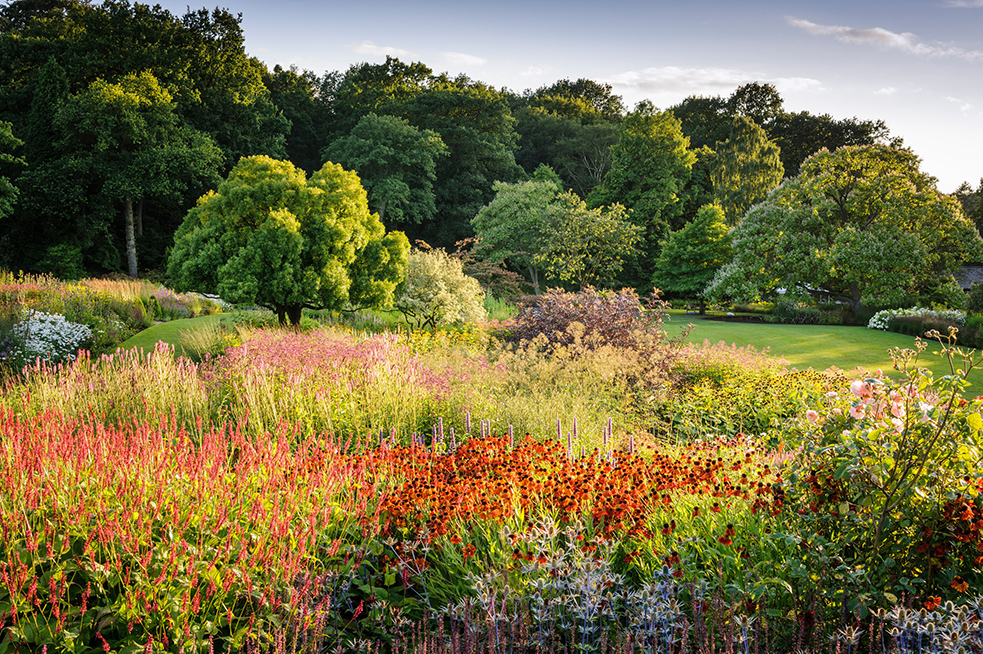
<point x="273" y="237"/>
<point x="396" y="163"/>
<point x="651" y="166"/>
<point x="511" y="226"/>
<point x="586" y="247"/>
<point x="746" y="166"/>
<point x="128" y="138"/>
<point x="862" y="224"/>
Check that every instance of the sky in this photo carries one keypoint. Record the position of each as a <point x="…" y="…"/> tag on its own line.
<point x="917" y="65"/>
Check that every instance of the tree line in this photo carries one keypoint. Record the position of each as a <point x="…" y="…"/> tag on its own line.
<point x="116" y="117"/>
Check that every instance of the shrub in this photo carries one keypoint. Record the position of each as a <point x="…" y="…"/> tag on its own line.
<point x="974" y="303"/>
<point x="437" y="292"/>
<point x="608" y="317"/>
<point x="882" y="319"/>
<point x="887" y="480"/>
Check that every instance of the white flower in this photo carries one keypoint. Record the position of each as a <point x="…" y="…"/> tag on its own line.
<point x="49" y="337"/>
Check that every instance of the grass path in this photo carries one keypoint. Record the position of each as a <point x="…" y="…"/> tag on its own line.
<point x="816" y="346"/>
<point x="170" y="332"/>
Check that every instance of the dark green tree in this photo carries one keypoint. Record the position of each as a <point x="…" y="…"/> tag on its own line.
<point x="8" y="145"/>
<point x="273" y="237"/>
<point x="972" y="202"/>
<point x="396" y="163"/>
<point x="651" y="165"/>
<point x="130" y="142"/>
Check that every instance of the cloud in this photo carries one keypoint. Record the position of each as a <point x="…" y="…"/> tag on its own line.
<point x="461" y="59"/>
<point x="969" y="4"/>
<point x="370" y="48"/>
<point x="884" y="39"/>
<point x="702" y="81"/>
<point x="534" y="71"/>
<point x="887" y="90"/>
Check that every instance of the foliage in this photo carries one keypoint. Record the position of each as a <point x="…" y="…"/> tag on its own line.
<point x="972" y="202"/>
<point x="693" y="254"/>
<point x="745" y="168"/>
<point x="8" y="192"/>
<point x="127" y="136"/>
<point x="272" y="237"/>
<point x="396" y="164"/>
<point x="882" y="319"/>
<point x="887" y="480"/>
<point x="199" y="59"/>
<point x="437" y="292"/>
<point x="510" y="227"/>
<point x="721" y="389"/>
<point x="862" y="225"/>
<point x="607" y="317"/>
<point x="974" y="303"/>
<point x="586" y="246"/>
<point x="651" y="165"/>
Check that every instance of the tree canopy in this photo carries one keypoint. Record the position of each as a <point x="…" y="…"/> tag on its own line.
<point x="862" y="224"/>
<point x="692" y="255"/>
<point x="651" y="166"/>
<point x="746" y="166"/>
<point x="270" y="236"/>
<point x="396" y="163"/>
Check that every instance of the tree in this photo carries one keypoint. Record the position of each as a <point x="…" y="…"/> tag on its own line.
<point x="272" y="237"/>
<point x="862" y="225"/>
<point x="802" y="134"/>
<point x="972" y="202"/>
<point x="475" y="124"/>
<point x="693" y="254"/>
<point x="396" y="163"/>
<point x="585" y="246"/>
<point x="8" y="192"/>
<point x="746" y="166"/>
<point x="437" y="292"/>
<point x="651" y="165"/>
<point x="128" y="136"/>
<point x="511" y="225"/>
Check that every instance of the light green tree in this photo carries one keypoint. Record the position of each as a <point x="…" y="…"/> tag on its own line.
<point x="272" y="237"/>
<point x="586" y="247"/>
<point x="511" y="226"/>
<point x="131" y="142"/>
<point x="437" y="292"/>
<point x="396" y="163"/>
<point x="692" y="255"/>
<point x="746" y="166"/>
<point x="862" y="224"/>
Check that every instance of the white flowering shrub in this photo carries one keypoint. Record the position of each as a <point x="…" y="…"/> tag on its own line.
<point x="437" y="292"/>
<point x="881" y="319"/>
<point x="46" y="336"/>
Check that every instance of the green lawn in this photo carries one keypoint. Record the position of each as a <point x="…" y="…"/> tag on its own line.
<point x="170" y="332"/>
<point x="816" y="346"/>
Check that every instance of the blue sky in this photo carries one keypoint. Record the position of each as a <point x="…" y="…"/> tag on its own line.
<point x="916" y="65"/>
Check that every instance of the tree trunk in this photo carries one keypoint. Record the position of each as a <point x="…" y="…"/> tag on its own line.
<point x="534" y="277"/>
<point x="289" y="314"/>
<point x="140" y="217"/>
<point x="131" y="243"/>
<point x="703" y="307"/>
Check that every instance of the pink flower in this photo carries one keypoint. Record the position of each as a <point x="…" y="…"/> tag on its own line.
<point x="812" y="416"/>
<point x="860" y="388"/>
<point x="857" y="411"/>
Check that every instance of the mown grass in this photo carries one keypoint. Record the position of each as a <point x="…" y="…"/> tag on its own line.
<point x="170" y="332"/>
<point x="815" y="346"/>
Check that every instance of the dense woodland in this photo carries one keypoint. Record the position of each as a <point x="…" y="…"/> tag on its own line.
<point x="116" y="117"/>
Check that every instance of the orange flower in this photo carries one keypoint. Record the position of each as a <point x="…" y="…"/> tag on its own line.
<point x="959" y="584"/>
<point x="932" y="602"/>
